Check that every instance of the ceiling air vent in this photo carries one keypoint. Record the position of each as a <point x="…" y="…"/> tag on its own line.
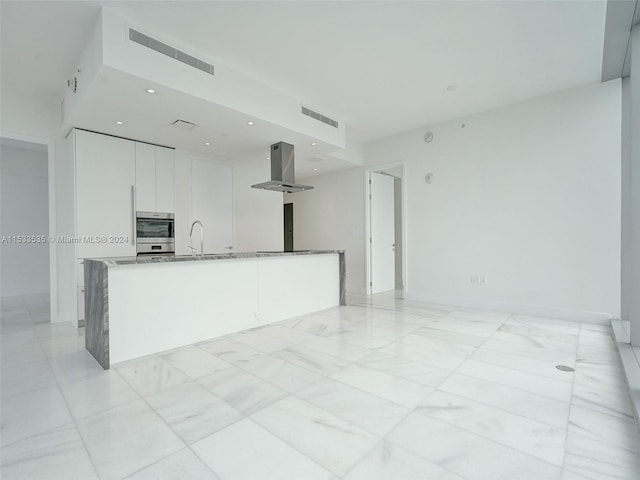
<point x="169" y="51"/>
<point x="318" y="116"/>
<point x="183" y="125"/>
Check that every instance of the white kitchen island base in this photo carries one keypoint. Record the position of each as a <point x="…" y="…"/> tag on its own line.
<point x="137" y="307"/>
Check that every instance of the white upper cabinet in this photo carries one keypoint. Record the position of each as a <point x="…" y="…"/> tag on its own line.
<point x="105" y="204"/>
<point x="165" y="180"/>
<point x="155" y="178"/>
<point x="145" y="177"/>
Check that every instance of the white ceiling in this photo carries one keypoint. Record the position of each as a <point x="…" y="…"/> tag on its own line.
<point x="382" y="67"/>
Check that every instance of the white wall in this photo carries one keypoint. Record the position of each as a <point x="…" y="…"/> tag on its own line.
<point x="257" y="213"/>
<point x="527" y="195"/>
<point x="331" y="216"/>
<point x="24" y="199"/>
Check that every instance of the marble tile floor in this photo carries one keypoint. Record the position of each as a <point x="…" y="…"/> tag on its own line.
<point x="380" y="389"/>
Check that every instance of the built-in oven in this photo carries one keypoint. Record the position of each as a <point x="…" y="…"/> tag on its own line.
<point x="155" y="233"/>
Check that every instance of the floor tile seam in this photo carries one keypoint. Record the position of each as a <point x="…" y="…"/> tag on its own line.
<point x="249" y="372"/>
<point x="344" y="418"/>
<point x="631" y="421"/>
<point x="305" y="455"/>
<point x="30" y="390"/>
<point x="524" y="357"/>
<point x="449" y="373"/>
<point x="487" y="404"/>
<point x="501" y="443"/>
<point x="349" y="385"/>
<point x="330" y="354"/>
<point x="542" y="348"/>
<point x="386" y="440"/>
<point x="599" y="441"/>
<point x="583" y="402"/>
<point x="635" y="455"/>
<point x="349" y="362"/>
<point x="518" y="370"/>
<point x="474" y="400"/>
<point x="571" y="403"/>
<point x="280" y="338"/>
<point x="177" y="435"/>
<point x="73" y="419"/>
<point x="444" y="351"/>
<point x="511" y="386"/>
<point x="422" y="362"/>
<point x="219" y="397"/>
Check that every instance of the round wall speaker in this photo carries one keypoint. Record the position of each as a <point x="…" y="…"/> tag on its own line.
<point x="428" y="137"/>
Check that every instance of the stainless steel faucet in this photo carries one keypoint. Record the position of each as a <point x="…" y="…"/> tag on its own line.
<point x="193" y="250"/>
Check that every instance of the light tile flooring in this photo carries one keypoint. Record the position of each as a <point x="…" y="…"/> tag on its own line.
<point x="382" y="389"/>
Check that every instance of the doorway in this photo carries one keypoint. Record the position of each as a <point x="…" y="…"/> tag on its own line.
<point x="25" y="273"/>
<point x="288" y="227"/>
<point x="386" y="256"/>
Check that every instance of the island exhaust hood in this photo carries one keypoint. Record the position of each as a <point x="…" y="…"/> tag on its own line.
<point x="283" y="178"/>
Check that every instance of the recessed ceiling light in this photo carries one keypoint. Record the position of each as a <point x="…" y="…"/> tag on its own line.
<point x="150" y="90"/>
<point x="315" y="169"/>
<point x="207" y="143"/>
<point x="313" y="144"/>
<point x="268" y="158"/>
<point x="249" y="123"/>
<point x="119" y="123"/>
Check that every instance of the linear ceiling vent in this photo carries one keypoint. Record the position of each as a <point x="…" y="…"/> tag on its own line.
<point x="169" y="51"/>
<point x="318" y="116"/>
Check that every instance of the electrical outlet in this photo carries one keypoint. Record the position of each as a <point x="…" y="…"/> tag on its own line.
<point x="483" y="280"/>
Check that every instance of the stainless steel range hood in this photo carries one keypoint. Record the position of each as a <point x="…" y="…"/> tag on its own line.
<point x="283" y="177"/>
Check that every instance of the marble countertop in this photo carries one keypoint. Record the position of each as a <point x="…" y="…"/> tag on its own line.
<point x="148" y="259"/>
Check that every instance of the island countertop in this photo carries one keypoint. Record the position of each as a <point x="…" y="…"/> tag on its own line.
<point x="150" y="259"/>
<point x="137" y="306"/>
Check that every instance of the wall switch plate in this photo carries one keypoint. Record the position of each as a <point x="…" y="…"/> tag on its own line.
<point x="474" y="279"/>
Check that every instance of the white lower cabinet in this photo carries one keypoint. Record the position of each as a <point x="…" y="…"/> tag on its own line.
<point x="80" y="305"/>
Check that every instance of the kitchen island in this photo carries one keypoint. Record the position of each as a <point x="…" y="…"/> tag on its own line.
<point x="137" y="306"/>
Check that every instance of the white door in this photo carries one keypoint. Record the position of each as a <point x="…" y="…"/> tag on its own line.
<point x="382" y="233"/>
<point x="211" y="202"/>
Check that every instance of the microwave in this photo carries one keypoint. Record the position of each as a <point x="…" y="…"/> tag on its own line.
<point x="155" y="233"/>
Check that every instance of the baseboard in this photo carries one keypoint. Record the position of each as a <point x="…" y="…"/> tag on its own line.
<point x="630" y="365"/>
<point x="558" y="313"/>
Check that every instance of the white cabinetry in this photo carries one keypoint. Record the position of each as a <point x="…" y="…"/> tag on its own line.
<point x="105" y="207"/>
<point x="155" y="178"/>
<point x="111" y="178"/>
<point x="145" y="177"/>
<point x="165" y="180"/>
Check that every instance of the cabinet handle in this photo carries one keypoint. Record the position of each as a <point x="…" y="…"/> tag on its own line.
<point x="133" y="215"/>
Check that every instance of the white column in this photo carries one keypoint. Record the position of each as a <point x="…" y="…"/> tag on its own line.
<point x="632" y="270"/>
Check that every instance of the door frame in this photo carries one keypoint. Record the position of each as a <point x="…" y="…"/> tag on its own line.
<point x="367" y="202"/>
<point x="51" y="185"/>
